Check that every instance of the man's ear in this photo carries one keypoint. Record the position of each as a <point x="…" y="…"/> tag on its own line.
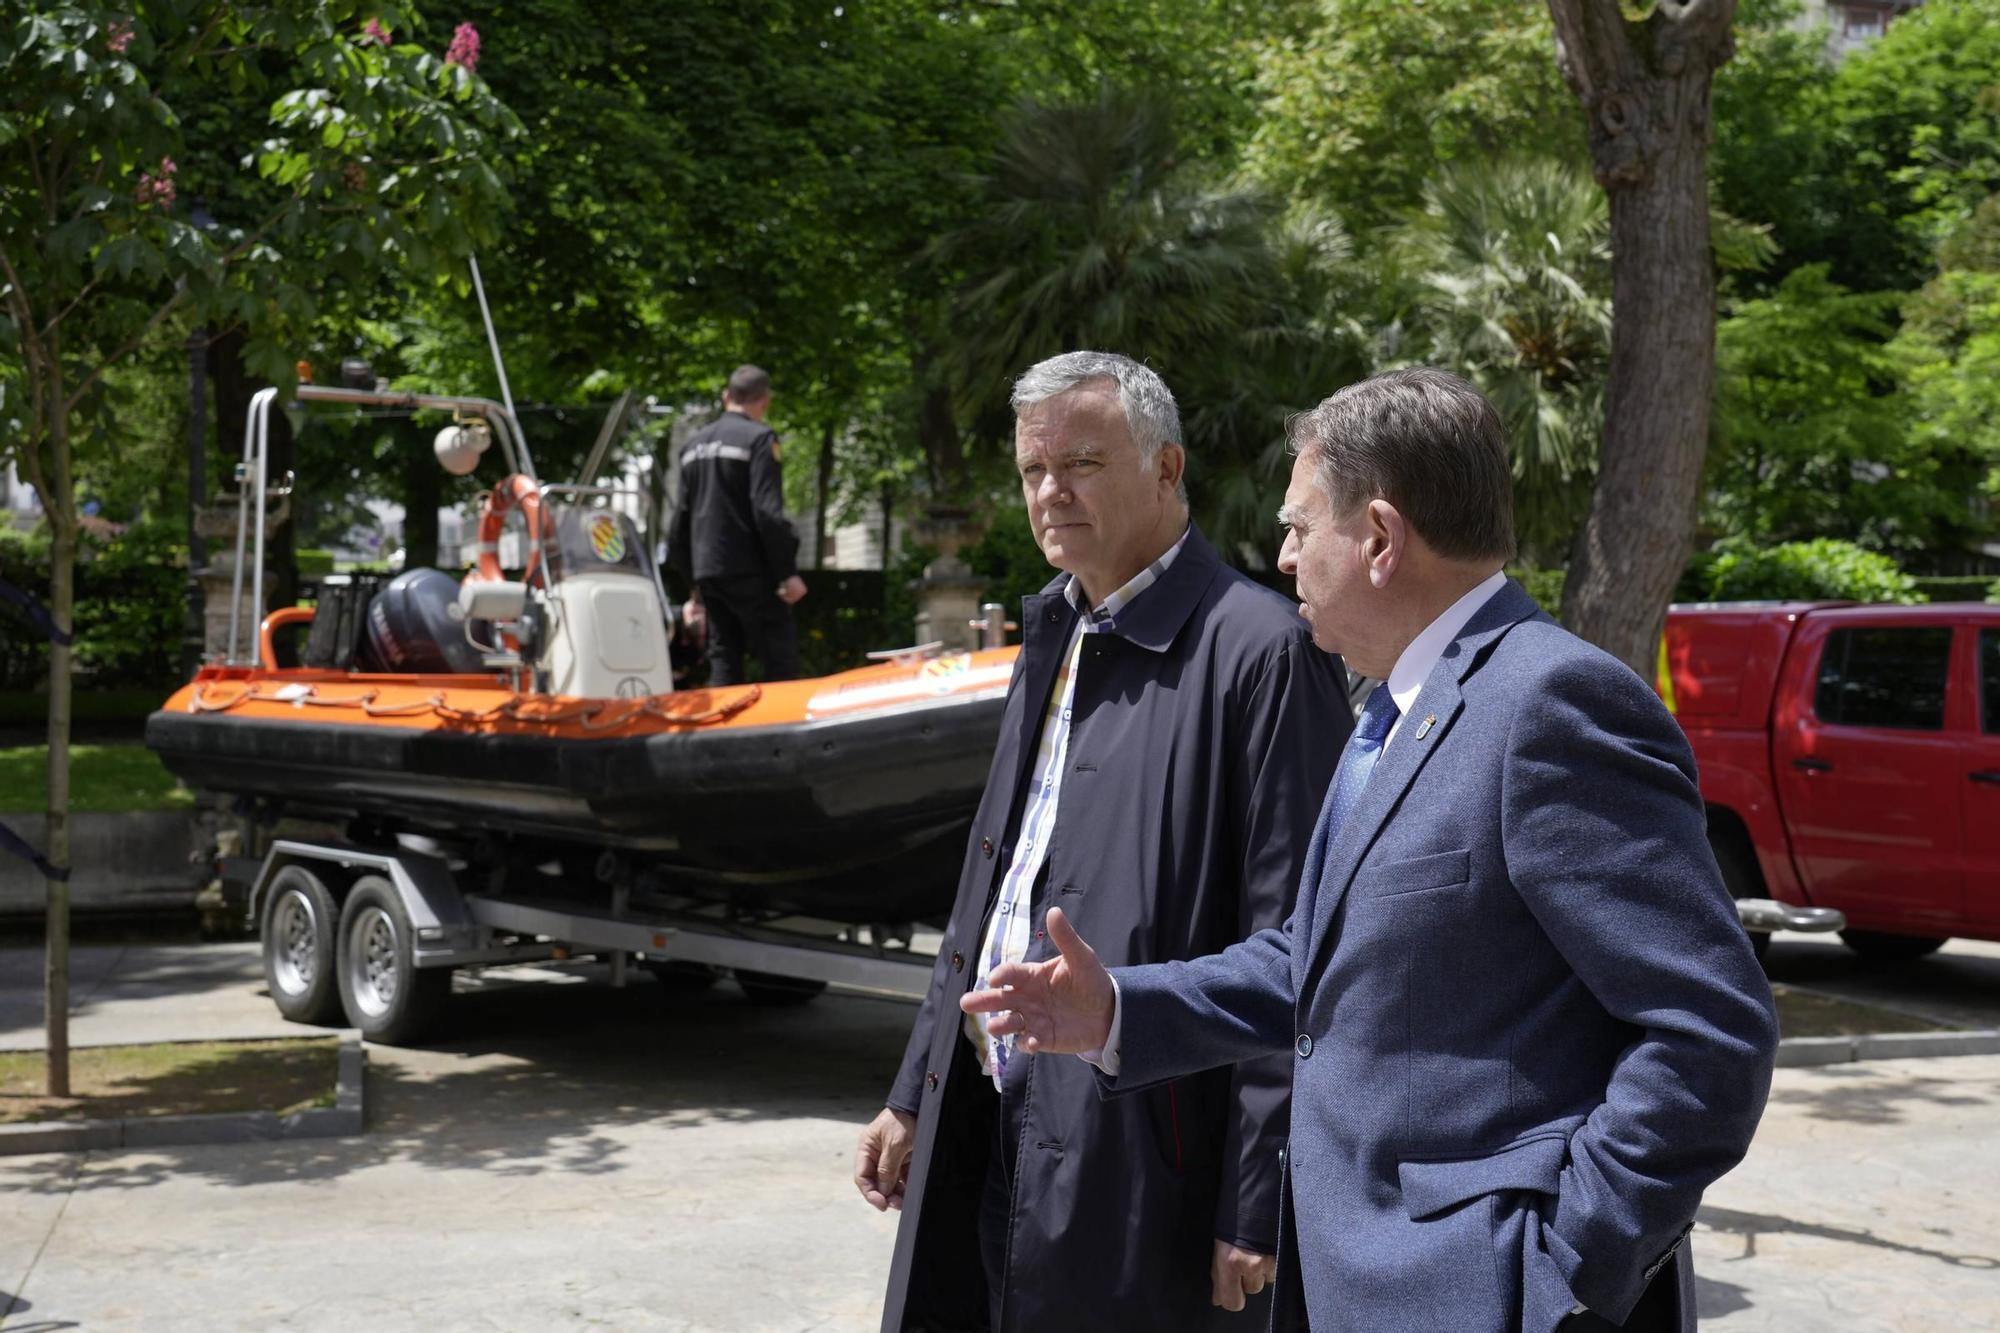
<point x="1387" y="541"/>
<point x="1173" y="463"/>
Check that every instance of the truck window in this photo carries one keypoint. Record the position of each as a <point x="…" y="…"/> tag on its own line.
<point x="1885" y="678"/>
<point x="1989" y="681"/>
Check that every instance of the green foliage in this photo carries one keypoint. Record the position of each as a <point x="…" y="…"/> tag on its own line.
<point x="1094" y="235"/>
<point x="1506" y="271"/>
<point x="1812" y="426"/>
<point x="131" y="606"/>
<point x="1953" y="587"/>
<point x="1544" y="585"/>
<point x="1009" y="559"/>
<point x="1949" y="350"/>
<point x="1362" y="101"/>
<point x="1819" y="570"/>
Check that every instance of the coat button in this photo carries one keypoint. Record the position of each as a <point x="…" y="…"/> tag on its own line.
<point x="958" y="962"/>
<point x="986" y="847"/>
<point x="1305" y="1046"/>
<point x="930" y="1081"/>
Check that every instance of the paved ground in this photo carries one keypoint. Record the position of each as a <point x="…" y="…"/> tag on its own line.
<point x="573" y="1157"/>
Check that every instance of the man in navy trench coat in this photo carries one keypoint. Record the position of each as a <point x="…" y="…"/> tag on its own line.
<point x="1200" y="731"/>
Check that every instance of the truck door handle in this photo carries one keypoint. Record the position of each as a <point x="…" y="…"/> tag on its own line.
<point x="1986" y="775"/>
<point x="1812" y="765"/>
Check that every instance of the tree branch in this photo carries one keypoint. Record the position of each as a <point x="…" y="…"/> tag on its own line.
<point x="126" y="349"/>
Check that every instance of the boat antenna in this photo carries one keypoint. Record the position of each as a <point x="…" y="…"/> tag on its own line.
<point x="499" y="365"/>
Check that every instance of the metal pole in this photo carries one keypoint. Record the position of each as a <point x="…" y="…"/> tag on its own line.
<point x="500" y="366"/>
<point x="194" y="641"/>
<point x="242" y="528"/>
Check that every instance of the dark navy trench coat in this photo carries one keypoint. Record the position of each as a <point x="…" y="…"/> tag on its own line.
<point x="1206" y="727"/>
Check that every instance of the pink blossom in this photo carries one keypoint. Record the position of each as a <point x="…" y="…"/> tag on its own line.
<point x="157" y="186"/>
<point x="118" y="36"/>
<point x="464" y="48"/>
<point x="375" y="32"/>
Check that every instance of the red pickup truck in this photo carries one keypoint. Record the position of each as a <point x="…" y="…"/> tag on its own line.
<point x="1850" y="759"/>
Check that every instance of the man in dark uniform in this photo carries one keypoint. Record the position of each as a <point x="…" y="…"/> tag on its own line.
<point x="731" y="539"/>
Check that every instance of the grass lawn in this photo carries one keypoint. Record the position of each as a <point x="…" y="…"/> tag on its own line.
<point x="101" y="778"/>
<point x="173" y="1078"/>
<point x="1808" y="1014"/>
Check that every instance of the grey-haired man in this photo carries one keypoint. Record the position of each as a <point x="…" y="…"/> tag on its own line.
<point x="1172" y="726"/>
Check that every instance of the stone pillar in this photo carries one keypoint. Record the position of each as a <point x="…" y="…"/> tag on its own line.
<point x="948" y="594"/>
<point x="217" y="523"/>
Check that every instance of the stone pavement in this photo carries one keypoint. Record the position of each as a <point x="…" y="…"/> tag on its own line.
<point x="570" y="1156"/>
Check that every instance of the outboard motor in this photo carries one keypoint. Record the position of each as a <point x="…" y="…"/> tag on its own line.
<point x="414" y="625"/>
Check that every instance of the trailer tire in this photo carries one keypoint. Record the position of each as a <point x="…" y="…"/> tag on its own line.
<point x="384" y="993"/>
<point x="771" y="990"/>
<point x="297" y="938"/>
<point x="679" y="977"/>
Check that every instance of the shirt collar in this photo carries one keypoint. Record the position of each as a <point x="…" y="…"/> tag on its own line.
<point x="1413" y="668"/>
<point x="1122" y="597"/>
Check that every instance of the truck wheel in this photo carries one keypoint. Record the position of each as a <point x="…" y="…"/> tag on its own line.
<point x="1741" y="877"/>
<point x="298" y="932"/>
<point x="1877" y="947"/>
<point x="384" y="993"/>
<point x="781" y="992"/>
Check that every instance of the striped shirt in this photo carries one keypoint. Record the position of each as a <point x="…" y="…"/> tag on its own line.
<point x="1011" y="926"/>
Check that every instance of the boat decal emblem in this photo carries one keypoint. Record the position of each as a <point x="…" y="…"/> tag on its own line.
<point x="606" y="540"/>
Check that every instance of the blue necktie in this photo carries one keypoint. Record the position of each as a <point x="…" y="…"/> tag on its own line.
<point x="1364" y="747"/>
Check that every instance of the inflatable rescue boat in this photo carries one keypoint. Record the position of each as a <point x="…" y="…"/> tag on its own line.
<point x="530" y="726"/>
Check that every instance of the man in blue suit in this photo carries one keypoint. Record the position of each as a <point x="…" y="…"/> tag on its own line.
<point x="1527" y="1030"/>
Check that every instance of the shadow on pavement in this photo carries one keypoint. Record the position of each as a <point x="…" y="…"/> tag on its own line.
<point x="1959" y="985"/>
<point x="1861" y="1095"/>
<point x="1749" y="1226"/>
<point x="536" y="1078"/>
<point x="1714" y="1299"/>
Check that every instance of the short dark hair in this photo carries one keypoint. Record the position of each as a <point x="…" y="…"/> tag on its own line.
<point x="1430" y="444"/>
<point x="749" y="383"/>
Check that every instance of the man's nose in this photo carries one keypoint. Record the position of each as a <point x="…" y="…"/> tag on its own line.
<point x="1051" y="491"/>
<point x="1288" y="556"/>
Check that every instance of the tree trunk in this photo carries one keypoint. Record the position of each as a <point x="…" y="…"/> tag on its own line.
<point x="59" y="504"/>
<point x="1645" y="89"/>
<point x="825" y="496"/>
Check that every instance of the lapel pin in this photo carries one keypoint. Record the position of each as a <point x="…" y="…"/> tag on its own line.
<point x="1424" y="728"/>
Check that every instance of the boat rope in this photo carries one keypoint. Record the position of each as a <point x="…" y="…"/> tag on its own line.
<point x="591" y="715"/>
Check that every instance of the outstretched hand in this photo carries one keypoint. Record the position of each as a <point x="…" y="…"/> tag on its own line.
<point x="1061" y="1006"/>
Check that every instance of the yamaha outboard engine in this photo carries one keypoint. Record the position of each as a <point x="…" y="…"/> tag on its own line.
<point x="414" y="625"/>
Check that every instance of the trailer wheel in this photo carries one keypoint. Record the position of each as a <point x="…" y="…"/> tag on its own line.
<point x="1877" y="947"/>
<point x="768" y="988"/>
<point x="299" y="927"/>
<point x="679" y="977"/>
<point x="384" y="993"/>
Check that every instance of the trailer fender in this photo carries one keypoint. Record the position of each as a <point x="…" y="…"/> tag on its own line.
<point x="424" y="882"/>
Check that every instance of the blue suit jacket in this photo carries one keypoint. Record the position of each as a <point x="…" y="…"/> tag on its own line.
<point x="1528" y="1029"/>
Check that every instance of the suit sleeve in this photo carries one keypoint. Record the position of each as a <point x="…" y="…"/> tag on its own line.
<point x="1293" y="729"/>
<point x="767" y="502"/>
<point x="1605" y="840"/>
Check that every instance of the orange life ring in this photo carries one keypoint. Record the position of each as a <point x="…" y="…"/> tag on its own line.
<point x="519" y="489"/>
